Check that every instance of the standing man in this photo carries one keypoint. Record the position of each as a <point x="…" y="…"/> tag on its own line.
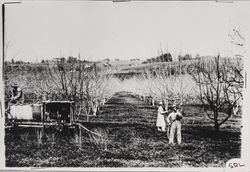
<point x="174" y="120"/>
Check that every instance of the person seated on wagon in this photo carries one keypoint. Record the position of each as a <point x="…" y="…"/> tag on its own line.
<point x="17" y="96"/>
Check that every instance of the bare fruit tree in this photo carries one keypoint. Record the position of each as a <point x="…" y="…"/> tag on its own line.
<point x="85" y="84"/>
<point x="98" y="88"/>
<point x="159" y="85"/>
<point x="220" y="85"/>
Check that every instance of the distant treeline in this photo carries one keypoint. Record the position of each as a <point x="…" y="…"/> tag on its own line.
<point x="167" y="57"/>
<point x="70" y="59"/>
<point x="185" y="57"/>
<point x="25" y="68"/>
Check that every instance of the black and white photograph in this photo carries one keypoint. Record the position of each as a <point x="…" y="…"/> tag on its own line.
<point x="148" y="84"/>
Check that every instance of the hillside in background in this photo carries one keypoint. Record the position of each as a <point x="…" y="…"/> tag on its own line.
<point x="118" y="67"/>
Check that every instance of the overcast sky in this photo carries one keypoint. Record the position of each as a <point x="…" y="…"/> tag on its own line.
<point x="98" y="30"/>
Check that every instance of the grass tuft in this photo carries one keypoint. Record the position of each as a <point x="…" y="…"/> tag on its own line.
<point x="102" y="142"/>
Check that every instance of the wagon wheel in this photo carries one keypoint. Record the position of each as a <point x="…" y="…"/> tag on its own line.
<point x="7" y="114"/>
<point x="9" y="121"/>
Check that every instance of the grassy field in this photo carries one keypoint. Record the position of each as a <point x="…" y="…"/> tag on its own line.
<point x="130" y="140"/>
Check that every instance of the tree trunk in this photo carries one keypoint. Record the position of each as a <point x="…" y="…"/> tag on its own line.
<point x="94" y="106"/>
<point x="166" y="104"/>
<point x="216" y="126"/>
<point x="94" y="111"/>
<point x="153" y="102"/>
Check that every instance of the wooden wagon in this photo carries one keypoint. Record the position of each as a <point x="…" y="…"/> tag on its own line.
<point x="55" y="115"/>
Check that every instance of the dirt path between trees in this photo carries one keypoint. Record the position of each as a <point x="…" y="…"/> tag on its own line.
<point x="123" y="107"/>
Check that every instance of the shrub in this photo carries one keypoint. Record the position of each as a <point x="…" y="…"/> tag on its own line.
<point x="102" y="142"/>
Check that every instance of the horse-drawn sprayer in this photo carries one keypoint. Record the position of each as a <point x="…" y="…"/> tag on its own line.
<point x="46" y="117"/>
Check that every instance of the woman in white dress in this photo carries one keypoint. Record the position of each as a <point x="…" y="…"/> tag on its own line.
<point x="160" y="122"/>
